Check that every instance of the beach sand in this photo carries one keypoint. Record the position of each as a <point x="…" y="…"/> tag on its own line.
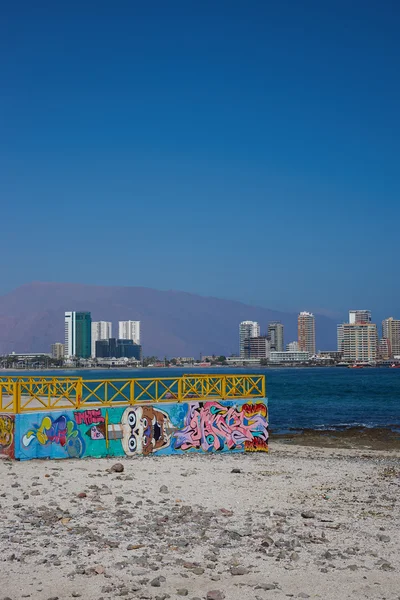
<point x="304" y="521"/>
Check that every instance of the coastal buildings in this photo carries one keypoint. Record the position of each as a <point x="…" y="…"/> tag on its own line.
<point x="257" y="347"/>
<point x="118" y="348"/>
<point x="101" y="330"/>
<point x="289" y="357"/>
<point x="340" y="334"/>
<point x="129" y="330"/>
<point x="292" y="347"/>
<point x="78" y="334"/>
<point x="247" y="329"/>
<point x="57" y="351"/>
<point x="391" y="333"/>
<point x="359" y="316"/>
<point x="306" y="332"/>
<point x="360" y="342"/>
<point x="275" y="334"/>
<point x="384" y="349"/>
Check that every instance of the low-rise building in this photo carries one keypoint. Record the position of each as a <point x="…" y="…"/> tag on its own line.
<point x="57" y="351"/>
<point x="289" y="357"/>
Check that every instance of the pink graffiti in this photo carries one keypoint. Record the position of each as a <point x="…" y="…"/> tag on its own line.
<point x="212" y="426"/>
<point x="88" y="417"/>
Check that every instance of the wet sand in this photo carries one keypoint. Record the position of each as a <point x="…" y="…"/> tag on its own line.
<point x="355" y="437"/>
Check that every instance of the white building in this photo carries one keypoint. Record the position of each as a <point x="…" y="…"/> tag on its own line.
<point x="292" y="347"/>
<point x="57" y="350"/>
<point x="101" y="330"/>
<point x="283" y="357"/>
<point x="359" y="316"/>
<point x="247" y="329"/>
<point x="129" y="330"/>
<point x="306" y="332"/>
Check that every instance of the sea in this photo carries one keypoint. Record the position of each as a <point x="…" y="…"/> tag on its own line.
<point x="299" y="398"/>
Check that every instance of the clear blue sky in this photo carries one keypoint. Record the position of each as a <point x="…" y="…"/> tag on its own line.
<point x="242" y="149"/>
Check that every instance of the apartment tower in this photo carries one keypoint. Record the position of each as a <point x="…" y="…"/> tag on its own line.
<point x="247" y="329"/>
<point x="275" y="334"/>
<point x="129" y="330"/>
<point x="391" y="332"/>
<point x="78" y="334"/>
<point x="306" y="332"/>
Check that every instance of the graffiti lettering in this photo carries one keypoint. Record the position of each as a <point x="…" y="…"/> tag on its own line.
<point x="60" y="431"/>
<point x="253" y="409"/>
<point x="212" y="426"/>
<point x="88" y="417"/>
<point x="6" y="431"/>
<point x="256" y="445"/>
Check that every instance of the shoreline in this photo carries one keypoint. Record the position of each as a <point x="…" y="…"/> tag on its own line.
<point x="371" y="438"/>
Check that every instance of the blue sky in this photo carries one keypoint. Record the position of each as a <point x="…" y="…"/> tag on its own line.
<point x="242" y="149"/>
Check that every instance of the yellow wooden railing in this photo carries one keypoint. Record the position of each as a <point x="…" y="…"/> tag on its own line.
<point x="31" y="394"/>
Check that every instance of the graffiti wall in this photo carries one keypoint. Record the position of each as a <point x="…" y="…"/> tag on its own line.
<point x="7" y="424"/>
<point x="209" y="426"/>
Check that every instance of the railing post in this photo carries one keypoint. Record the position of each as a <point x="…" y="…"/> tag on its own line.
<point x="17" y="397"/>
<point x="79" y="390"/>
<point x="180" y="384"/>
<point x="223" y="387"/>
<point x="132" y="392"/>
<point x="264" y="389"/>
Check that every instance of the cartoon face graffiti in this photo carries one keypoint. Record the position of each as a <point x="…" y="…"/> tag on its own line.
<point x="97" y="432"/>
<point x="145" y="430"/>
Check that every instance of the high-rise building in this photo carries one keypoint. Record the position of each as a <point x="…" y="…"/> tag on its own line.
<point x="306" y="332"/>
<point x="384" y="349"/>
<point x="101" y="330"/>
<point x="391" y="332"/>
<point x="340" y="335"/>
<point x="359" y="316"/>
<point x="360" y="342"/>
<point x="78" y="334"/>
<point x="247" y="329"/>
<point x="257" y="347"/>
<point x="275" y="334"/>
<point x="129" y="330"/>
<point x="57" y="350"/>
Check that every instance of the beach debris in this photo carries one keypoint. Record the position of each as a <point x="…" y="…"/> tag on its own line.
<point x="82" y="495"/>
<point x="117" y="468"/>
<point x="215" y="595"/>
<point x="239" y="571"/>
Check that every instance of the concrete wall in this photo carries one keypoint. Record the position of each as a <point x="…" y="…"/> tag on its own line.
<point x="170" y="428"/>
<point x="7" y="426"/>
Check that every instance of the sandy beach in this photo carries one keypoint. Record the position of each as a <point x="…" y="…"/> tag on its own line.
<point x="301" y="522"/>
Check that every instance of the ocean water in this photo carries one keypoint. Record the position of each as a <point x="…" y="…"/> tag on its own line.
<point x="302" y="398"/>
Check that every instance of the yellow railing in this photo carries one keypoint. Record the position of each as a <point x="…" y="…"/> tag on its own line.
<point x="31" y="394"/>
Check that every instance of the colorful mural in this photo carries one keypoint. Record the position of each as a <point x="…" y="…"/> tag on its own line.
<point x="7" y="435"/>
<point x="224" y="426"/>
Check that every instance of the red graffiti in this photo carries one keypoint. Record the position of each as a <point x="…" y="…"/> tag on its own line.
<point x="256" y="445"/>
<point x="88" y="417"/>
<point x="254" y="409"/>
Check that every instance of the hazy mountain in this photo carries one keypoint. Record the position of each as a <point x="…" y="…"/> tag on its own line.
<point x="173" y="323"/>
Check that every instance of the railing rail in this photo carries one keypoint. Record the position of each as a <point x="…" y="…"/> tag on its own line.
<point x="31" y="394"/>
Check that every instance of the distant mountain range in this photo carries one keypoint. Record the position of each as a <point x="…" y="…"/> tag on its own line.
<point x="173" y="323"/>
